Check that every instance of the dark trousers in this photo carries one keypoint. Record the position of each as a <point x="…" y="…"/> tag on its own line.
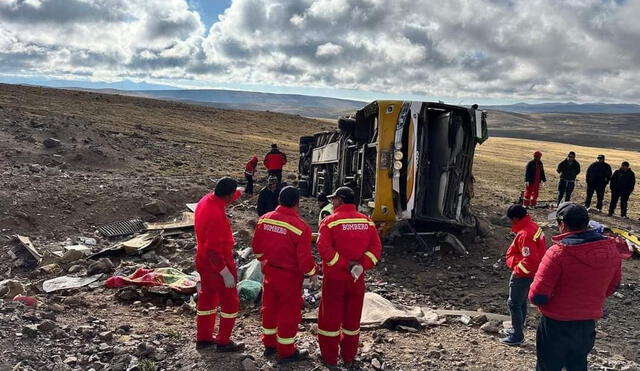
<point x="517" y="302"/>
<point x="624" y="200"/>
<point x="249" y="189"/>
<point x="277" y="174"/>
<point x="564" y="344"/>
<point x="565" y="189"/>
<point x="599" y="190"/>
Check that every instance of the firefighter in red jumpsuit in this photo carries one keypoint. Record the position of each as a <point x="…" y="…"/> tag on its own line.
<point x="217" y="269"/>
<point x="349" y="244"/>
<point x="533" y="177"/>
<point x="282" y="243"/>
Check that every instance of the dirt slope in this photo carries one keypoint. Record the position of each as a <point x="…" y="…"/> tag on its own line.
<point x="119" y="153"/>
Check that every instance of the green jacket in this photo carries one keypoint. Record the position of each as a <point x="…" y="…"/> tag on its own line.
<point x="568" y="171"/>
<point x="325" y="212"/>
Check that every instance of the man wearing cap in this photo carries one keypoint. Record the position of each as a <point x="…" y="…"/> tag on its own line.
<point x="249" y="171"/>
<point x="217" y="269"/>
<point x="568" y="169"/>
<point x="523" y="258"/>
<point x="575" y="277"/>
<point x="598" y="176"/>
<point x="623" y="182"/>
<point x="274" y="161"/>
<point x="533" y="177"/>
<point x="268" y="196"/>
<point x="349" y="245"/>
<point x="326" y="208"/>
<point x="282" y="243"/>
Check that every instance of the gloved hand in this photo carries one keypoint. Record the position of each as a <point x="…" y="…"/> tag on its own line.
<point x="229" y="280"/>
<point x="241" y="189"/>
<point x="526" y="184"/>
<point x="356" y="271"/>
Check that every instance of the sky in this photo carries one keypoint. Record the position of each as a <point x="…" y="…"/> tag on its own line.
<point x="458" y="51"/>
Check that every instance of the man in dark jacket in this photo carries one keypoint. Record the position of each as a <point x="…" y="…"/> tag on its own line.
<point x="623" y="181"/>
<point x="268" y="196"/>
<point x="568" y="170"/>
<point x="598" y="176"/>
<point x="274" y="161"/>
<point x="574" y="278"/>
<point x="533" y="177"/>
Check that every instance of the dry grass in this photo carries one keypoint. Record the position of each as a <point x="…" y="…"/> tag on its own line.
<point x="500" y="162"/>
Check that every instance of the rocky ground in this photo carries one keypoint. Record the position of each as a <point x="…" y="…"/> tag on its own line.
<point x="122" y="157"/>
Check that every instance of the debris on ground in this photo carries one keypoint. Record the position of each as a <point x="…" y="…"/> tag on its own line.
<point x="68" y="282"/>
<point x="166" y="277"/>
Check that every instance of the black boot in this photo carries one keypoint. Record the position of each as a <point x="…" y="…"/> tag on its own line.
<point x="230" y="347"/>
<point x="298" y="355"/>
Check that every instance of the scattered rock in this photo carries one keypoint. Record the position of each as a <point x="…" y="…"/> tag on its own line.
<point x="13" y="288"/>
<point x="106" y="335"/>
<point x="376" y="364"/>
<point x="70" y="257"/>
<point x="47" y="326"/>
<point x="128" y="294"/>
<point x="51" y="143"/>
<point x="479" y="320"/>
<point x="491" y="327"/>
<point x="249" y="364"/>
<point x="156" y="207"/>
<point x="103" y="265"/>
<point x="75" y="268"/>
<point x="30" y="330"/>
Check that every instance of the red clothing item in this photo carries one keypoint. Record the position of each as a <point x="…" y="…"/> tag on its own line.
<point x="531" y="194"/>
<point x="347" y="236"/>
<point x="576" y="275"/>
<point x="282" y="242"/>
<point x="527" y="249"/>
<point x="214" y="237"/>
<point x="250" y="167"/>
<point x="214" y="252"/>
<point x="275" y="160"/>
<point x="282" y="239"/>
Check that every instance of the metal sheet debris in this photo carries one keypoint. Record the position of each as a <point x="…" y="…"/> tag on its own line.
<point x="26" y="243"/>
<point x="192" y="207"/>
<point x="68" y="282"/>
<point x="122" y="228"/>
<point x="185" y="222"/>
<point x="141" y="243"/>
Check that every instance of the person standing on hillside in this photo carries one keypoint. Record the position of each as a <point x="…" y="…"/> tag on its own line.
<point x="249" y="171"/>
<point x="282" y="244"/>
<point x="274" y="161"/>
<point x="268" y="196"/>
<point x="533" y="177"/>
<point x="575" y="277"/>
<point x="349" y="245"/>
<point x="623" y="181"/>
<point x="568" y="169"/>
<point x="598" y="176"/>
<point x="217" y="269"/>
<point x="523" y="258"/>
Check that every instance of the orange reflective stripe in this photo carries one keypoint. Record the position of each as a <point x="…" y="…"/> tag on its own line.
<point x="522" y="268"/>
<point x="333" y="261"/>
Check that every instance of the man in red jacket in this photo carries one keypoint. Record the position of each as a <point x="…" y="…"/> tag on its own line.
<point x="282" y="243"/>
<point x="274" y="161"/>
<point x="523" y="258"/>
<point x="249" y="171"/>
<point x="217" y="269"/>
<point x="574" y="279"/>
<point x="348" y="244"/>
<point x="533" y="177"/>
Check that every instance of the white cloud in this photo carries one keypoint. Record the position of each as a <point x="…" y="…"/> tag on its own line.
<point x="501" y="49"/>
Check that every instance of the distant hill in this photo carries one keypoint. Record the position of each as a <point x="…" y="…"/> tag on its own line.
<point x="304" y="105"/>
<point x="569" y="107"/>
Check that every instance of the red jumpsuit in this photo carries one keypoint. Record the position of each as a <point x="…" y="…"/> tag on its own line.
<point x="534" y="174"/>
<point x="345" y="237"/>
<point x="282" y="243"/>
<point x="214" y="252"/>
<point x="527" y="249"/>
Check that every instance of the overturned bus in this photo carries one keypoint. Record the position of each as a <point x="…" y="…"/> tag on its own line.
<point x="409" y="163"/>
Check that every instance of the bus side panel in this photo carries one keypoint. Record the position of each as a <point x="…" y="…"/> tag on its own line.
<point x="388" y="112"/>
